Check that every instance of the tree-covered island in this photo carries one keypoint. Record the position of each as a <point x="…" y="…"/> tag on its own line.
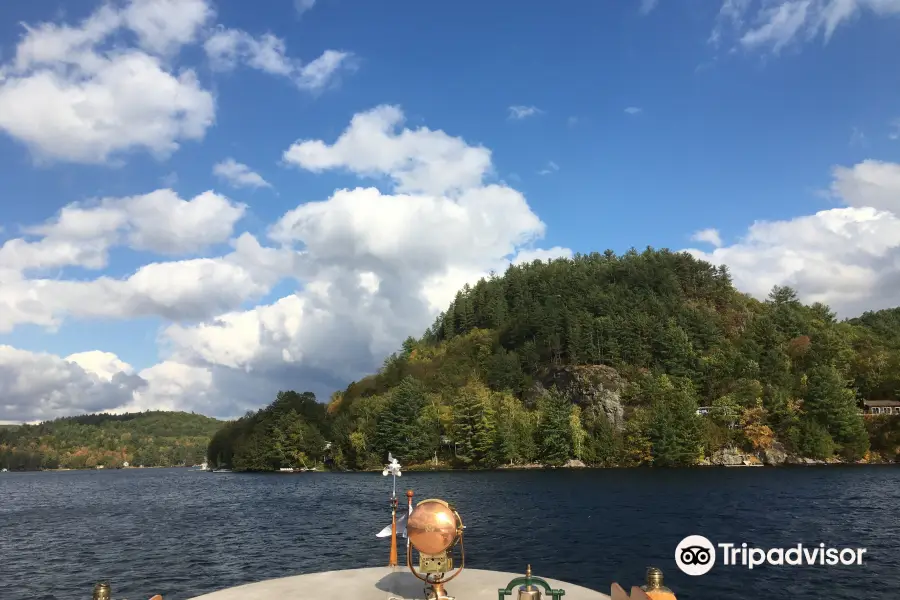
<point x="150" y="439"/>
<point x="649" y="358"/>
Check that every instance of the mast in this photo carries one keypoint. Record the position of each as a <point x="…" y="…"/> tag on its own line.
<point x="393" y="469"/>
<point x="392" y="562"/>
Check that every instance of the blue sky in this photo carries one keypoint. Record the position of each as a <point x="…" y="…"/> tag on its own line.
<point x="639" y="124"/>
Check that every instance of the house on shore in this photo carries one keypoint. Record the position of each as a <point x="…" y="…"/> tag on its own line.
<point x="881" y="407"/>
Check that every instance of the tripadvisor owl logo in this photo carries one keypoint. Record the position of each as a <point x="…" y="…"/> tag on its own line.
<point x="696" y="555"/>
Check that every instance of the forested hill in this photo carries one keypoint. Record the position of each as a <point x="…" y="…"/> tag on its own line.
<point x="606" y="359"/>
<point x="152" y="439"/>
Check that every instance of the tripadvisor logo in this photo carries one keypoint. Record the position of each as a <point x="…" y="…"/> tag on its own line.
<point x="696" y="555"/>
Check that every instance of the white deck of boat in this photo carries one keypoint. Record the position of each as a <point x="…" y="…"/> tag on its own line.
<point x="385" y="583"/>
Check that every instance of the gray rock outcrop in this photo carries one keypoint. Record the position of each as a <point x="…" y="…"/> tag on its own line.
<point x="593" y="387"/>
<point x="774" y="454"/>
<point x="731" y="457"/>
<point x="800" y="460"/>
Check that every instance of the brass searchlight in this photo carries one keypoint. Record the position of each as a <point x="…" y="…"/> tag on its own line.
<point x="434" y="528"/>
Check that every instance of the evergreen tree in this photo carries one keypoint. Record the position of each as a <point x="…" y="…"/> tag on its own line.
<point x="474" y="429"/>
<point x="555" y="430"/>
<point x="833" y="406"/>
<point x="674" y="427"/>
<point x="396" y="432"/>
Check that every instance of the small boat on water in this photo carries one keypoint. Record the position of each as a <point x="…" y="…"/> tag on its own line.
<point x="433" y="529"/>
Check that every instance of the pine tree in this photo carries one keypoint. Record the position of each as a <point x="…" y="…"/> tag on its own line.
<point x="396" y="431"/>
<point x="674" y="428"/>
<point x="555" y="430"/>
<point x="474" y="429"/>
<point x="833" y="406"/>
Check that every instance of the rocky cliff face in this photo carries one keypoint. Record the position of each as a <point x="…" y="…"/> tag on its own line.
<point x="732" y="457"/>
<point x="590" y="386"/>
<point x="774" y="454"/>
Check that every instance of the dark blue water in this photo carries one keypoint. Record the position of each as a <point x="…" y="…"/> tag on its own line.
<point x="181" y="533"/>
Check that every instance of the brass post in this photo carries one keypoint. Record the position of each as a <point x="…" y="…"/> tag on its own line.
<point x="654" y="578"/>
<point x="655" y="589"/>
<point x="102" y="591"/>
<point x="529" y="591"/>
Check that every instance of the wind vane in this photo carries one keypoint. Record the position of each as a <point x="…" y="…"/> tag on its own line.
<point x="392" y="469"/>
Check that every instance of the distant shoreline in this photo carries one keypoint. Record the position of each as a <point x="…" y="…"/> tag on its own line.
<point x="417" y="469"/>
<point x="527" y="467"/>
<point x="96" y="469"/>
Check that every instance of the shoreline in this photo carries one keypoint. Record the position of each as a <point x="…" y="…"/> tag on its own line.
<point x="793" y="463"/>
<point x="507" y="468"/>
<point x="95" y="469"/>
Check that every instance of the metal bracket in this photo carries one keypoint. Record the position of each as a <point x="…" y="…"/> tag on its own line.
<point x="528" y="580"/>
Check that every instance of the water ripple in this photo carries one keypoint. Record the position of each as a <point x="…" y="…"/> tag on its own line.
<point x="181" y="533"/>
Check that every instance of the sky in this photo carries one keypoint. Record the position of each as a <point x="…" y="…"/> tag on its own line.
<point x="204" y="203"/>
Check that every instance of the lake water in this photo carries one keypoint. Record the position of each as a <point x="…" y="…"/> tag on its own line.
<point x="181" y="533"/>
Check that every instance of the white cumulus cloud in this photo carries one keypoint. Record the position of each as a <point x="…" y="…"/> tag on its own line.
<point x="39" y="386"/>
<point x="847" y="257"/>
<point x="69" y="97"/>
<point x="420" y="160"/>
<point x="377" y="266"/>
<point x="113" y="84"/>
<point x="239" y="174"/>
<point x="710" y="236"/>
<point x="228" y="48"/>
<point x="83" y="233"/>
<point x="177" y="290"/>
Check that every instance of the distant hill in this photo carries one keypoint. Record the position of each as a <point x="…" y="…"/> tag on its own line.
<point x="152" y="439"/>
<point x="606" y="359"/>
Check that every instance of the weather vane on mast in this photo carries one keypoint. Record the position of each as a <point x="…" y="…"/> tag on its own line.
<point x="393" y="469"/>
